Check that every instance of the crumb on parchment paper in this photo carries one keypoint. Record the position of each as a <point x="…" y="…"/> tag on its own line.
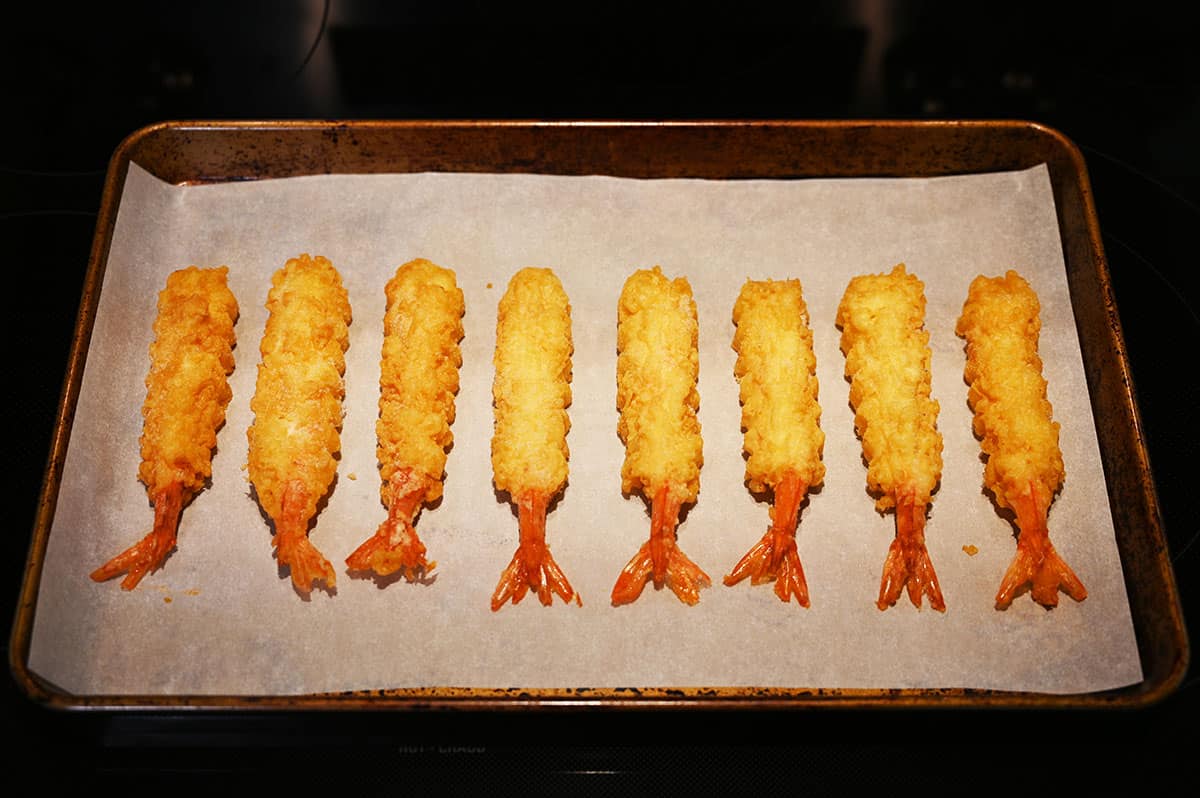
<point x="971" y="550"/>
<point x="192" y="591"/>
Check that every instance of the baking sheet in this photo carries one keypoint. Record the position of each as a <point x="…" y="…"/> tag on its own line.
<point x="221" y="619"/>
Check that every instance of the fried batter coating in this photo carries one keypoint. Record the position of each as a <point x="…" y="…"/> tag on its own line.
<point x="531" y="391"/>
<point x="658" y="365"/>
<point x="532" y="384"/>
<point x="882" y="318"/>
<point x="776" y="373"/>
<point x="187" y="392"/>
<point x="1001" y="324"/>
<point x="418" y="381"/>
<point x="297" y="408"/>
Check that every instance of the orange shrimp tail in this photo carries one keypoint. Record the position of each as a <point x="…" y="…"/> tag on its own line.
<point x="148" y="554"/>
<point x="532" y="567"/>
<point x="292" y="546"/>
<point x="1037" y="563"/>
<point x="775" y="558"/>
<point x="660" y="559"/>
<point x="395" y="545"/>
<point x="908" y="564"/>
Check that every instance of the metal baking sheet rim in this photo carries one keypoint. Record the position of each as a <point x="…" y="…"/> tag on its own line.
<point x="1171" y="648"/>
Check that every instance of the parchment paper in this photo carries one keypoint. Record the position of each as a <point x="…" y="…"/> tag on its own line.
<point x="221" y="617"/>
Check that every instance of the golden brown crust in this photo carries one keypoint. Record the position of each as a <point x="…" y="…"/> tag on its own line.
<point x="776" y="373"/>
<point x="187" y="388"/>
<point x="1001" y="325"/>
<point x="532" y="385"/>
<point x="297" y="401"/>
<point x="419" y="373"/>
<point x="658" y="365"/>
<point x="882" y="317"/>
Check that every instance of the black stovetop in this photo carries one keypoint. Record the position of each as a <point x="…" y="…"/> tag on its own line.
<point x="1122" y="81"/>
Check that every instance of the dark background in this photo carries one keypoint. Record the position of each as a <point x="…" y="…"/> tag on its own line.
<point x="1122" y="80"/>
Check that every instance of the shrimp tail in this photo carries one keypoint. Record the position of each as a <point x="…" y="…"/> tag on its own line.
<point x="1037" y="563"/>
<point x="908" y="564"/>
<point x="775" y="558"/>
<point x="660" y="559"/>
<point x="292" y="546"/>
<point x="395" y="545"/>
<point x="532" y="567"/>
<point x="148" y="554"/>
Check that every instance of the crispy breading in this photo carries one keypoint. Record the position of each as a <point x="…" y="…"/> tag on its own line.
<point x="1013" y="418"/>
<point x="419" y="373"/>
<point x="187" y="388"/>
<point x="776" y="373"/>
<point x="297" y="401"/>
<point x="532" y="385"/>
<point x="658" y="365"/>
<point x="888" y="360"/>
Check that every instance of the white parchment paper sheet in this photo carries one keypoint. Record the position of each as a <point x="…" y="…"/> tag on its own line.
<point x="221" y="618"/>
